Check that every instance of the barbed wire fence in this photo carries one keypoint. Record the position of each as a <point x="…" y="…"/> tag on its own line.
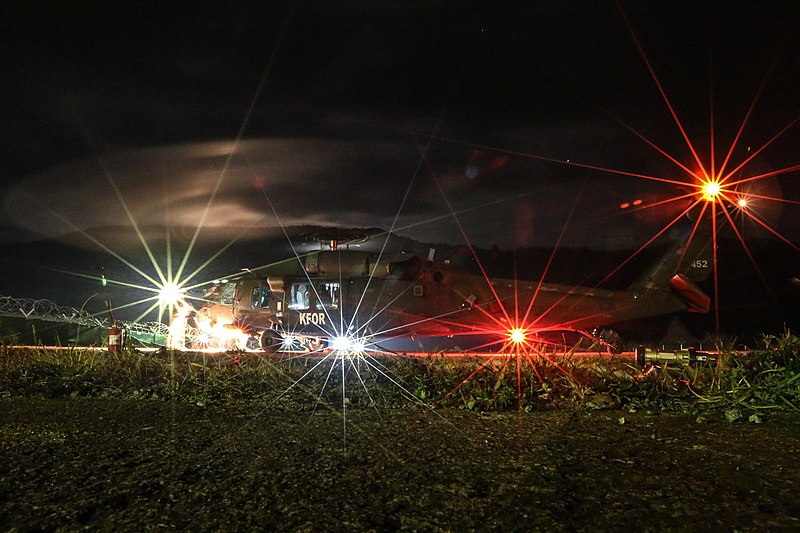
<point x="48" y="310"/>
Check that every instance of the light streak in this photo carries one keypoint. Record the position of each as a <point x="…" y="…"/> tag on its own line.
<point x="176" y="339"/>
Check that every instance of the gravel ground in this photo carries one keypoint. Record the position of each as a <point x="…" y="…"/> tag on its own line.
<point x="128" y="465"/>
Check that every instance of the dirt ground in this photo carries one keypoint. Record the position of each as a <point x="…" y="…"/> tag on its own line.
<point x="157" y="465"/>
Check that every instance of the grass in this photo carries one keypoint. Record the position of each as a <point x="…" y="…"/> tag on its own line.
<point x="766" y="378"/>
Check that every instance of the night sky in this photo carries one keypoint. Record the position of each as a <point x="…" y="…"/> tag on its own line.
<point x="389" y="115"/>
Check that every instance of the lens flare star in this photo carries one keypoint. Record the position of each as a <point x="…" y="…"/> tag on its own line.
<point x="711" y="190"/>
<point x="170" y="294"/>
<point x="517" y="336"/>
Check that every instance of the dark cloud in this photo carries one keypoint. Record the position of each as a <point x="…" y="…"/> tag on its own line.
<point x="221" y="184"/>
<point x="232" y="186"/>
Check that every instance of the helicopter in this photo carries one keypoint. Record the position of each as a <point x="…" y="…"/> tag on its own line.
<point x="340" y="298"/>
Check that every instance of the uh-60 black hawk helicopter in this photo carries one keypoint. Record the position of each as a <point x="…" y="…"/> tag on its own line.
<point x="339" y="297"/>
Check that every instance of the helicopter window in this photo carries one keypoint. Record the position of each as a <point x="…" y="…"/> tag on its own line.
<point x="222" y="293"/>
<point x="301" y="296"/>
<point x="261" y="297"/>
<point x="212" y="293"/>
<point x="328" y="294"/>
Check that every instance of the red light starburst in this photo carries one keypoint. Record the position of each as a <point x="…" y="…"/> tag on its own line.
<point x="711" y="190"/>
<point x="517" y="336"/>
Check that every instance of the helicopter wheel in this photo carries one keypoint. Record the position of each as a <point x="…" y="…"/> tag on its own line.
<point x="271" y="341"/>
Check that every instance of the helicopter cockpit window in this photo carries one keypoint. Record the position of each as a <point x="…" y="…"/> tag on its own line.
<point x="228" y="294"/>
<point x="260" y="298"/>
<point x="300" y="296"/>
<point x="221" y="292"/>
<point x="328" y="296"/>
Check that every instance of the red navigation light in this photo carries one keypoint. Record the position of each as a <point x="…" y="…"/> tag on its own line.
<point x="711" y="190"/>
<point x="517" y="335"/>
